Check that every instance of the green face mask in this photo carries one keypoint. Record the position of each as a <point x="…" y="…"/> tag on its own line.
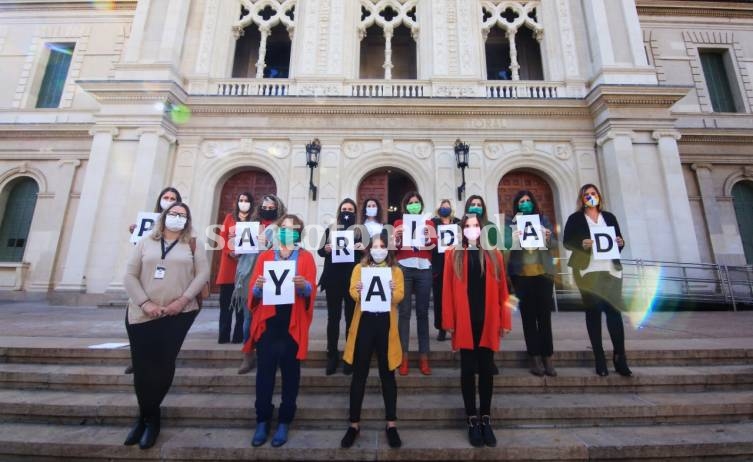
<point x="289" y="236"/>
<point x="414" y="209"/>
<point x="526" y="207"/>
<point x="475" y="209"/>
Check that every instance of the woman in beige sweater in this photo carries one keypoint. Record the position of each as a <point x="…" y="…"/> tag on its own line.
<point x="165" y="274"/>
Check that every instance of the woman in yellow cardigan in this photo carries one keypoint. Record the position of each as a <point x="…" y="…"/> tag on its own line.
<point x="372" y="332"/>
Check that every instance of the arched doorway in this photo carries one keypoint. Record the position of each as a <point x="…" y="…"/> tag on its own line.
<point x="517" y="180"/>
<point x="257" y="182"/>
<point x="389" y="185"/>
<point x="742" y="198"/>
<point x="17" y="201"/>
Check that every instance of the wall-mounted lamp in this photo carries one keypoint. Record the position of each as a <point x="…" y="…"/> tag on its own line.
<point x="313" y="149"/>
<point x="461" y="156"/>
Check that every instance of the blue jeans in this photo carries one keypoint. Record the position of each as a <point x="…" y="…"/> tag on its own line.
<point x="417" y="281"/>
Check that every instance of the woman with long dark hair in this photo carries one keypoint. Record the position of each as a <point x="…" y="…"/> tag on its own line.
<point x="599" y="281"/>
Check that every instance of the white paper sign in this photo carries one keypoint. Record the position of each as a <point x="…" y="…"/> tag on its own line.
<point x="343" y="250"/>
<point x="144" y="223"/>
<point x="376" y="295"/>
<point x="278" y="286"/>
<point x="531" y="233"/>
<point x="605" y="243"/>
<point x="246" y="238"/>
<point x="447" y="236"/>
<point x="413" y="230"/>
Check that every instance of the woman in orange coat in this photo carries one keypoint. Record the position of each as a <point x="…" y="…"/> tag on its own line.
<point x="226" y="274"/>
<point x="475" y="311"/>
<point x="280" y="333"/>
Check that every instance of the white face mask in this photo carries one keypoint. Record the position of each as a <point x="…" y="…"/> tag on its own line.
<point x="371" y="211"/>
<point x="244" y="206"/>
<point x="165" y="203"/>
<point x="175" y="223"/>
<point x="472" y="234"/>
<point x="379" y="255"/>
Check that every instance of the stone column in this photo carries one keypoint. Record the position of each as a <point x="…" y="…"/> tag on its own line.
<point x="48" y="239"/>
<point x="680" y="215"/>
<point x="86" y="214"/>
<point x="622" y="194"/>
<point x="710" y="209"/>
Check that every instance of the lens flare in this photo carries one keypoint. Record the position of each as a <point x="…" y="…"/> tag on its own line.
<point x="180" y="114"/>
<point x="60" y="48"/>
<point x="105" y="5"/>
<point x="642" y="303"/>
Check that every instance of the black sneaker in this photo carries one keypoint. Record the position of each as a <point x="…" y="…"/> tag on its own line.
<point x="393" y="439"/>
<point x="487" y="433"/>
<point x="332" y="363"/>
<point x="350" y="437"/>
<point x="475" y="437"/>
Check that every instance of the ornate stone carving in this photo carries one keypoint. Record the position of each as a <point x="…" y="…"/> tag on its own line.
<point x="527" y="147"/>
<point x="492" y="15"/>
<point x="494" y="151"/>
<point x="422" y="150"/>
<point x="353" y="150"/>
<point x="207" y="36"/>
<point x="568" y="37"/>
<point x="563" y="151"/>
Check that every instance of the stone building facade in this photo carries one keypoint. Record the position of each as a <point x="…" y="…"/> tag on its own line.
<point x="103" y="103"/>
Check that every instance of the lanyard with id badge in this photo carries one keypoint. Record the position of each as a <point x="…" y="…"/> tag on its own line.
<point x="160" y="270"/>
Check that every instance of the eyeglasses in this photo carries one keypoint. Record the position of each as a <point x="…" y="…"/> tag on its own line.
<point x="176" y="214"/>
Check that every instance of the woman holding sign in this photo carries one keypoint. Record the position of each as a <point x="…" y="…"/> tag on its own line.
<point x="597" y="274"/>
<point x="228" y="264"/>
<point x="377" y="288"/>
<point x="414" y="258"/>
<point x="165" y="274"/>
<point x="282" y="302"/>
<point x="341" y="248"/>
<point x="531" y="270"/>
<point x="446" y="224"/>
<point x="475" y="311"/>
<point x="476" y="205"/>
<point x="372" y="216"/>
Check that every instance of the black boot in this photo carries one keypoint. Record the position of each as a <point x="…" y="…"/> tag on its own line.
<point x="151" y="431"/>
<point x="475" y="437"/>
<point x="135" y="434"/>
<point x="332" y="362"/>
<point x="601" y="363"/>
<point x="536" y="367"/>
<point x="620" y="365"/>
<point x="487" y="433"/>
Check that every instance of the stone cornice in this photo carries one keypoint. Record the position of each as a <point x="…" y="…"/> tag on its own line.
<point x="52" y="130"/>
<point x="63" y="5"/>
<point x="716" y="137"/>
<point x="706" y="9"/>
<point x="120" y="91"/>
<point x="624" y="96"/>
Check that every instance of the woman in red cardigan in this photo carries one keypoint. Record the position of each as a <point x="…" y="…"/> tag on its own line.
<point x="475" y="312"/>
<point x="280" y="333"/>
<point x="228" y="264"/>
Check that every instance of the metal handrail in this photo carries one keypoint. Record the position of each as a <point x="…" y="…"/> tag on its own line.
<point x="684" y="281"/>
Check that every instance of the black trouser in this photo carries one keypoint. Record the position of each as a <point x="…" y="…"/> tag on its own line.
<point x="535" y="294"/>
<point x="337" y="293"/>
<point x="154" y="348"/>
<point x="436" y="288"/>
<point x="479" y="361"/>
<point x="277" y="348"/>
<point x="373" y="337"/>
<point x="602" y="292"/>
<point x="226" y="316"/>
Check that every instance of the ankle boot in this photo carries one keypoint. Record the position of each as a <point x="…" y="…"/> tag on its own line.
<point x="486" y="431"/>
<point x="600" y="363"/>
<point x="423" y="365"/>
<point x="549" y="367"/>
<point x="151" y="431"/>
<point x="136" y="431"/>
<point x="536" y="366"/>
<point x="475" y="437"/>
<point x="332" y="363"/>
<point x="248" y="363"/>
<point x="620" y="365"/>
<point x="404" y="366"/>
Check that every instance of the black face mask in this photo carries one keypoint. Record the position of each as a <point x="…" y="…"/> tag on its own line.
<point x="347" y="218"/>
<point x="268" y="214"/>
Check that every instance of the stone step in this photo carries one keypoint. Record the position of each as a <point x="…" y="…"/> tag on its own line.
<point x="229" y="355"/>
<point x="733" y="441"/>
<point x="438" y="410"/>
<point x="511" y="380"/>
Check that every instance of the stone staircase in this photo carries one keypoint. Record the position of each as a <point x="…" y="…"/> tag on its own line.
<point x="686" y="404"/>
